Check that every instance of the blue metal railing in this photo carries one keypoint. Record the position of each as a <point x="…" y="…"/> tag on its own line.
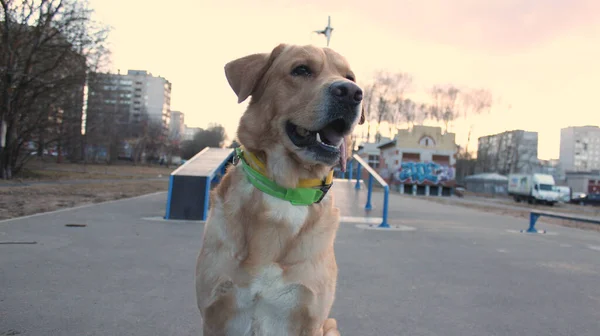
<point x="372" y="176"/>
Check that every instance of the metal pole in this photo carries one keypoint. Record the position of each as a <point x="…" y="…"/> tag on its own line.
<point x="350" y="170"/>
<point x="386" y="193"/>
<point x="358" y="171"/>
<point x="368" y="206"/>
<point x="206" y="198"/>
<point x="532" y="220"/>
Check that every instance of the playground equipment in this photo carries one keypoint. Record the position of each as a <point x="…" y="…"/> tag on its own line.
<point x="198" y="173"/>
<point x="372" y="176"/>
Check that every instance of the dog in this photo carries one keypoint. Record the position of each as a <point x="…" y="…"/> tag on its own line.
<point x="267" y="264"/>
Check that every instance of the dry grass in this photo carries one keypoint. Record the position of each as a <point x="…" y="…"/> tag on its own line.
<point x="40" y="170"/>
<point x="27" y="200"/>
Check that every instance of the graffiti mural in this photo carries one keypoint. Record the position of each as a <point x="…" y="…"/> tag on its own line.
<point x="424" y="173"/>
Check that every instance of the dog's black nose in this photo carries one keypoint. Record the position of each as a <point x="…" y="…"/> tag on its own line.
<point x="346" y="92"/>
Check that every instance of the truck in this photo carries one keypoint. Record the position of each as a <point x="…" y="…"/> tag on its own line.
<point x="533" y="188"/>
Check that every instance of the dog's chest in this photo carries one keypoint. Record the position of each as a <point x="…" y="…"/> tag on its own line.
<point x="266" y="305"/>
<point x="283" y="211"/>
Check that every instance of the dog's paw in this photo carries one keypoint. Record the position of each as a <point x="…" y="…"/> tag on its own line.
<point x="330" y="328"/>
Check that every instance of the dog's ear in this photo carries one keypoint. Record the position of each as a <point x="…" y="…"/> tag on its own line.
<point x="362" y="116"/>
<point x="243" y="74"/>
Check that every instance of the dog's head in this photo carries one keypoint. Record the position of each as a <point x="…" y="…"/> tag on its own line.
<point x="304" y="98"/>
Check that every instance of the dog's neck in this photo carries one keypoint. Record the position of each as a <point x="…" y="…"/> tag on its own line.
<point x="284" y="170"/>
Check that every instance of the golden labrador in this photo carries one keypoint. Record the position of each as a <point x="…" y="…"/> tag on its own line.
<point x="267" y="264"/>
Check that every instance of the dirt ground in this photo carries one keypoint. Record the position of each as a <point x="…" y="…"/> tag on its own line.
<point x="39" y="170"/>
<point x="23" y="195"/>
<point x="18" y="201"/>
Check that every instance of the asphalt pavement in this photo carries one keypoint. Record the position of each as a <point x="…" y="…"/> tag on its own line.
<point x="457" y="272"/>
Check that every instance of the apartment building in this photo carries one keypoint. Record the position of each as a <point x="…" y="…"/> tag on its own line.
<point x="580" y="148"/>
<point x="177" y="126"/>
<point x="123" y="102"/>
<point x="122" y="109"/>
<point x="508" y="152"/>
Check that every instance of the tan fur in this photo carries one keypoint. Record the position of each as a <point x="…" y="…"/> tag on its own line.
<point x="267" y="267"/>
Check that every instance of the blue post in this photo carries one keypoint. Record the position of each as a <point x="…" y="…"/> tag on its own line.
<point x="368" y="206"/>
<point x="168" y="210"/>
<point x="357" y="186"/>
<point x="386" y="193"/>
<point x="532" y="220"/>
<point x="533" y="217"/>
<point x="350" y="170"/>
<point x="206" y="198"/>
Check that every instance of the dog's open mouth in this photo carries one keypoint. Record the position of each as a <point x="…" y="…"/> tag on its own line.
<point x="328" y="143"/>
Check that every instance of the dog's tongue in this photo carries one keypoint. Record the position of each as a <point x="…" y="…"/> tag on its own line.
<point x="343" y="156"/>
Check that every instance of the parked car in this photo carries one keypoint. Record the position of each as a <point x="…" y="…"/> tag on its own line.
<point x="583" y="199"/>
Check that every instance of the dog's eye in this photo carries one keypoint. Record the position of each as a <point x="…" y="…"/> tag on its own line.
<point x="301" y="70"/>
<point x="350" y="77"/>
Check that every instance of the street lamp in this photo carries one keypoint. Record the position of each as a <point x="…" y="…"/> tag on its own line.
<point x="326" y="31"/>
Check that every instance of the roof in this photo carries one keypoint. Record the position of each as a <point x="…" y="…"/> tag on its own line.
<point x="387" y="144"/>
<point x="372" y="147"/>
<point x="486" y="177"/>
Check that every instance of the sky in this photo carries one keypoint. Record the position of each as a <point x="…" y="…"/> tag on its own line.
<point x="538" y="58"/>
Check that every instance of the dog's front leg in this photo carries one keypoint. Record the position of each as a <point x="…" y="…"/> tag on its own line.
<point x="330" y="328"/>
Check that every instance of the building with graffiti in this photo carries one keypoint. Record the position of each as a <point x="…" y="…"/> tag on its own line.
<point x="420" y="161"/>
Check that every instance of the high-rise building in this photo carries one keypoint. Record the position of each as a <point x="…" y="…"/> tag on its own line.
<point x="580" y="148"/>
<point x="121" y="109"/>
<point x="127" y="100"/>
<point x="508" y="152"/>
<point x="177" y="126"/>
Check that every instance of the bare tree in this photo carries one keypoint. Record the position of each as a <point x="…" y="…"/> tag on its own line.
<point x="383" y="113"/>
<point x="44" y="53"/>
<point x="474" y="102"/>
<point x="369" y="97"/>
<point x="444" y="104"/>
<point x="382" y="97"/>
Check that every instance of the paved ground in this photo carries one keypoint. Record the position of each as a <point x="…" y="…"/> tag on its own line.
<point x="509" y="203"/>
<point x="460" y="273"/>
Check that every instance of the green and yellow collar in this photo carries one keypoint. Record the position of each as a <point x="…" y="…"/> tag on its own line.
<point x="308" y="191"/>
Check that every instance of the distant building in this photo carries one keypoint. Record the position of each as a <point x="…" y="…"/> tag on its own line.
<point x="177" y="126"/>
<point x="122" y="109"/>
<point x="584" y="182"/>
<point x="551" y="167"/>
<point x="420" y="161"/>
<point x="190" y="132"/>
<point x="508" y="152"/>
<point x="130" y="100"/>
<point x="370" y="152"/>
<point x="580" y="148"/>
<point x="487" y="183"/>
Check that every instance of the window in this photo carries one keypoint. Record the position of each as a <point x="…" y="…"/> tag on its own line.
<point x="427" y="141"/>
<point x="373" y="161"/>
